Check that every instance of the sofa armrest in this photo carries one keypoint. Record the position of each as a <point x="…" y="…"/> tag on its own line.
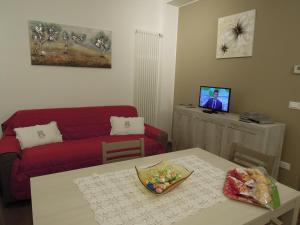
<point x="6" y="165"/>
<point x="157" y="134"/>
<point x="9" y="144"/>
<point x="10" y="150"/>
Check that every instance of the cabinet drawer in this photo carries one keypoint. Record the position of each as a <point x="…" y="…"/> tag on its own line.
<point x="249" y="130"/>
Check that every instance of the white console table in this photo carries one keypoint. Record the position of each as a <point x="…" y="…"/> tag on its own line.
<point x="216" y="133"/>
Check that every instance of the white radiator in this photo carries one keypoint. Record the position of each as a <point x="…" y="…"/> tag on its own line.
<point x="147" y="66"/>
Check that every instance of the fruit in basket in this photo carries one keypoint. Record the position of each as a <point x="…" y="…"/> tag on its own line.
<point x="162" y="177"/>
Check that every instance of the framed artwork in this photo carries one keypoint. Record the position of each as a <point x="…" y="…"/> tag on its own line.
<point x="236" y="35"/>
<point x="64" y="45"/>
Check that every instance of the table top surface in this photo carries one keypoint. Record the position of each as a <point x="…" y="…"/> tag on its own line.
<point x="56" y="199"/>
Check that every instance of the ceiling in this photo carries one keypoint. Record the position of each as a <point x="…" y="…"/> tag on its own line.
<point x="180" y="3"/>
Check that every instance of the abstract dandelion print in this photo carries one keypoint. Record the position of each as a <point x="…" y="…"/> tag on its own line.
<point x="236" y="35"/>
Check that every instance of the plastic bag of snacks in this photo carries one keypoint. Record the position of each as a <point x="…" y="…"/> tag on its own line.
<point x="253" y="186"/>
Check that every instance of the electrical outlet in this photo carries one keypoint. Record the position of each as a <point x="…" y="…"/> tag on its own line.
<point x="297" y="69"/>
<point x="285" y="165"/>
<point x="294" y="105"/>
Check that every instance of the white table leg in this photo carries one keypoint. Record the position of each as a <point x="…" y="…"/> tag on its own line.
<point x="276" y="221"/>
<point x="295" y="215"/>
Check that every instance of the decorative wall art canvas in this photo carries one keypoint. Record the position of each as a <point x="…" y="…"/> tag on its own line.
<point x="236" y="35"/>
<point x="63" y="45"/>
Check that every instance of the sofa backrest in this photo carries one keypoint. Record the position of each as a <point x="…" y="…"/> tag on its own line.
<point x="73" y="123"/>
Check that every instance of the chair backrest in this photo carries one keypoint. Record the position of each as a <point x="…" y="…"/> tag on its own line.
<point x="251" y="158"/>
<point x="122" y="150"/>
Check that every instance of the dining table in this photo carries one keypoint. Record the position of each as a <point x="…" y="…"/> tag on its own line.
<point x="58" y="200"/>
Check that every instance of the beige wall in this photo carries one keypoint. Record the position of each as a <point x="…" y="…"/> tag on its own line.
<point x="263" y="82"/>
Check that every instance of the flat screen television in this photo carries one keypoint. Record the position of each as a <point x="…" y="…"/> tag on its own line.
<point x="216" y="99"/>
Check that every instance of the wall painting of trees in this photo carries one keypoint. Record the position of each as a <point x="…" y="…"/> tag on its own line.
<point x="63" y="45"/>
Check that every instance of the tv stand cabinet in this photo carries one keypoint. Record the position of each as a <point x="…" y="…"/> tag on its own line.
<point x="216" y="133"/>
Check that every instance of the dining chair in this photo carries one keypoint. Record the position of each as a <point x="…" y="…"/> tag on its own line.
<point x="275" y="221"/>
<point x="122" y="150"/>
<point x="251" y="158"/>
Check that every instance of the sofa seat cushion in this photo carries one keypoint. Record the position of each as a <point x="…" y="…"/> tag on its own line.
<point x="72" y="151"/>
<point x="68" y="155"/>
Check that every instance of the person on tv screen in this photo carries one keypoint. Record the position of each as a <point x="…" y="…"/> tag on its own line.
<point x="214" y="103"/>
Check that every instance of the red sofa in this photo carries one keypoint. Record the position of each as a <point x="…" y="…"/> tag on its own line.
<point x="83" y="130"/>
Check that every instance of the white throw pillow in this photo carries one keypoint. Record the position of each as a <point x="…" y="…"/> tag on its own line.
<point x="127" y="125"/>
<point x="38" y="135"/>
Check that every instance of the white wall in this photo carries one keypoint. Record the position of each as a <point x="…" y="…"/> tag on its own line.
<point x="168" y="64"/>
<point x="23" y="86"/>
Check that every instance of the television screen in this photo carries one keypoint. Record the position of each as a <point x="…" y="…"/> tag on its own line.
<point x="214" y="98"/>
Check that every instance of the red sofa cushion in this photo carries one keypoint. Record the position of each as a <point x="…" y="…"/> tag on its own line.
<point x="68" y="155"/>
<point x="73" y="123"/>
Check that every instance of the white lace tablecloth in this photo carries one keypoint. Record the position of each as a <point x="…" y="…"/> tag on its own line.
<point x="118" y="198"/>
